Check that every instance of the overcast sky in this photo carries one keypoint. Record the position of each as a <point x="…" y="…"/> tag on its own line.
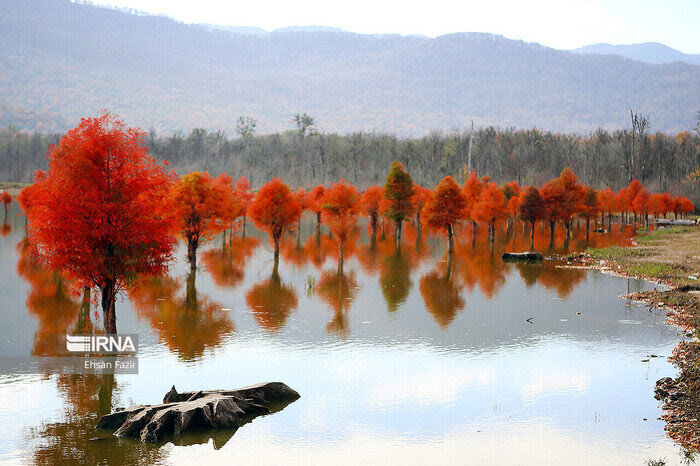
<point x="561" y="24"/>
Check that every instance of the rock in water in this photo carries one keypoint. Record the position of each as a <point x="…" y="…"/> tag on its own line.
<point x="187" y="412"/>
<point x="522" y="256"/>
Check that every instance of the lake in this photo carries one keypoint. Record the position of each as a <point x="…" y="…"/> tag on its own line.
<point x="407" y="357"/>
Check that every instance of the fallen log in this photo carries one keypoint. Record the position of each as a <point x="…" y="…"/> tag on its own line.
<point x="188" y="412"/>
<point x="522" y="256"/>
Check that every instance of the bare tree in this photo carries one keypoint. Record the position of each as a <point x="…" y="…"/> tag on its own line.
<point x="304" y="123"/>
<point x="245" y="126"/>
<point x="640" y="124"/>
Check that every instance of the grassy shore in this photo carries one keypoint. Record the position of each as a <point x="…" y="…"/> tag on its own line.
<point x="12" y="188"/>
<point x="670" y="256"/>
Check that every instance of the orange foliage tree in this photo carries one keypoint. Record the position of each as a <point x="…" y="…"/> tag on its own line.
<point x="640" y="204"/>
<point x="590" y="206"/>
<point x="553" y="196"/>
<point x="6" y="199"/>
<point x="445" y="207"/>
<point x="490" y="207"/>
<point x="244" y="195"/>
<point x="419" y="199"/>
<point x="370" y="204"/>
<point x="608" y="203"/>
<point x="531" y="209"/>
<point x="275" y="209"/>
<point x="101" y="212"/>
<point x="573" y="197"/>
<point x="398" y="192"/>
<point x="340" y="204"/>
<point x="315" y="201"/>
<point x="472" y="190"/>
<point x="205" y="207"/>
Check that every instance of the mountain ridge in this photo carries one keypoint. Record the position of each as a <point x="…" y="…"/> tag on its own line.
<point x="73" y="60"/>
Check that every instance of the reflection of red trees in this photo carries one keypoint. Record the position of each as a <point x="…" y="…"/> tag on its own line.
<point x="227" y="265"/>
<point x="395" y="278"/>
<point x="271" y="302"/>
<point x="338" y="291"/>
<point x="561" y="279"/>
<point x="5" y="229"/>
<point x="479" y="267"/>
<point x="441" y="294"/>
<point x="189" y="324"/>
<point x="49" y="300"/>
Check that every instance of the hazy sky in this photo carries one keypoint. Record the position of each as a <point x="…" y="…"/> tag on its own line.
<point x="561" y="24"/>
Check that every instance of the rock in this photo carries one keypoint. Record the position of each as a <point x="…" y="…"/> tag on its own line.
<point x="522" y="256"/>
<point x="201" y="411"/>
<point x="600" y="230"/>
<point x="683" y="222"/>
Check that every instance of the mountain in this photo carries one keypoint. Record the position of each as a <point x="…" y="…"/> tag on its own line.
<point x="71" y="60"/>
<point x="648" y="52"/>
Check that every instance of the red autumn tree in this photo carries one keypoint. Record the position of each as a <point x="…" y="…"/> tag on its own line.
<point x="101" y="212"/>
<point x="656" y="205"/>
<point x="589" y="206"/>
<point x="669" y="204"/>
<point x="340" y="208"/>
<point x="554" y="197"/>
<point x="275" y="209"/>
<point x="370" y="204"/>
<point x="630" y="193"/>
<point x="608" y="203"/>
<point x="419" y="199"/>
<point x="445" y="207"/>
<point x="511" y="191"/>
<point x="398" y="191"/>
<point x="573" y="197"/>
<point x="686" y="206"/>
<point x="315" y="201"/>
<point x="640" y="204"/>
<point x="6" y="199"/>
<point x="302" y="198"/>
<point x="490" y="208"/>
<point x="472" y="190"/>
<point x="205" y="207"/>
<point x="531" y="208"/>
<point x="245" y="196"/>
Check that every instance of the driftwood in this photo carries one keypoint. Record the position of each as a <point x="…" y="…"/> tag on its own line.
<point x="188" y="412"/>
<point x="521" y="256"/>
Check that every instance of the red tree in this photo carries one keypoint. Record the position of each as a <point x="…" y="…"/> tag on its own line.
<point x="490" y="208"/>
<point x="608" y="203"/>
<point x="205" y="207"/>
<point x="101" y="212"/>
<point x="531" y="209"/>
<point x="573" y="197"/>
<point x="340" y="205"/>
<point x="445" y="207"/>
<point x="315" y="201"/>
<point x="6" y="199"/>
<point x="640" y="204"/>
<point x="245" y="196"/>
<point x="553" y="196"/>
<point x="370" y="204"/>
<point x="472" y="190"/>
<point x="419" y="199"/>
<point x="590" y="207"/>
<point x="275" y="209"/>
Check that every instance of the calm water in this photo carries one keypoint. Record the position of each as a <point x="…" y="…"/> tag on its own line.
<point x="405" y="358"/>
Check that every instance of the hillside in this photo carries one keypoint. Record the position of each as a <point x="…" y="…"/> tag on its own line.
<point x="648" y="52"/>
<point x="69" y="60"/>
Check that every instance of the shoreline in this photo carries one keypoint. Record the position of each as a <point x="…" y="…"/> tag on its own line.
<point x="671" y="258"/>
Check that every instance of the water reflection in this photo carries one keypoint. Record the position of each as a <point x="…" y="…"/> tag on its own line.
<point x="442" y="293"/>
<point x="226" y="265"/>
<point x="271" y="301"/>
<point x="189" y="325"/>
<point x="338" y="290"/>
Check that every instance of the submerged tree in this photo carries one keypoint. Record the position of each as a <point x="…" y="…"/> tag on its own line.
<point x="490" y="208"/>
<point x="370" y="204"/>
<point x="6" y="199"/>
<point x="445" y="207"/>
<point x="112" y="198"/>
<point x="275" y="209"/>
<point x="205" y="207"/>
<point x="398" y="191"/>
<point x="340" y="204"/>
<point x="531" y="209"/>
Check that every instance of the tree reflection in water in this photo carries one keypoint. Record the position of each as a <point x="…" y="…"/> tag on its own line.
<point x="338" y="290"/>
<point x="189" y="325"/>
<point x="441" y="293"/>
<point x="271" y="301"/>
<point x="226" y="264"/>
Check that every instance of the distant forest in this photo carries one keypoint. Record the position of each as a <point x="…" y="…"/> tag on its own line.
<point x="304" y="157"/>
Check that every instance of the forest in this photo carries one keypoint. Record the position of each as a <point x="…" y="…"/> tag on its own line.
<point x="305" y="156"/>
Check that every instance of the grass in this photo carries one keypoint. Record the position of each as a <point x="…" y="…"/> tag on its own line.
<point x="654" y="269"/>
<point x="613" y="253"/>
<point x="659" y="234"/>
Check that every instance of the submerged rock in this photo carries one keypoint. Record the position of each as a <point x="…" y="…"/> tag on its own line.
<point x="189" y="412"/>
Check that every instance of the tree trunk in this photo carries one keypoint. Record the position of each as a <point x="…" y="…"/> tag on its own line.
<point x="373" y="218"/>
<point x="276" y="238"/>
<point x="108" y="307"/>
<point x="318" y="218"/>
<point x="532" y="237"/>
<point x="551" y="232"/>
<point x="450" y="240"/>
<point x="398" y="230"/>
<point x="192" y="252"/>
<point x="340" y="257"/>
